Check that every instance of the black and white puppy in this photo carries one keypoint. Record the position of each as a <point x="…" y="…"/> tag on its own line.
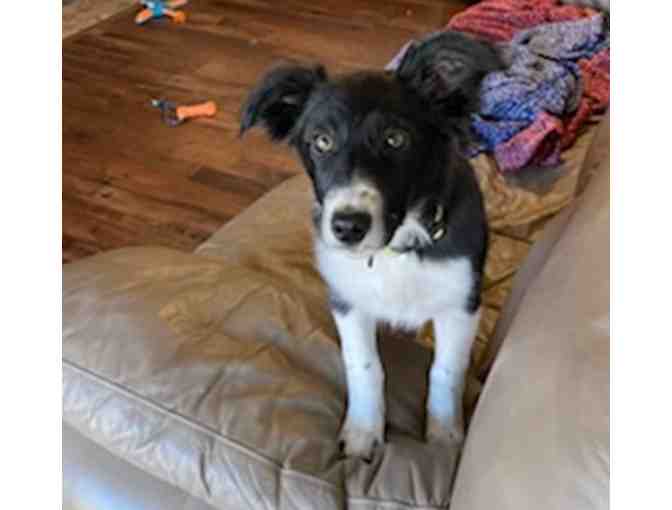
<point x="400" y="228"/>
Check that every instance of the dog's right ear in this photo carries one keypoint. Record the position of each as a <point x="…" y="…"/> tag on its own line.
<point x="279" y="98"/>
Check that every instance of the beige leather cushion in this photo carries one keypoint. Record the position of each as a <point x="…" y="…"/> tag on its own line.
<point x="540" y="434"/>
<point x="220" y="373"/>
<point x="95" y="479"/>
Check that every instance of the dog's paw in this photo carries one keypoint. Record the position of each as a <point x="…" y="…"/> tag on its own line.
<point x="448" y="432"/>
<point x="360" y="441"/>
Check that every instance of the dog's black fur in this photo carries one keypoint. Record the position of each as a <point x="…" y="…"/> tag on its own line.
<point x="430" y="96"/>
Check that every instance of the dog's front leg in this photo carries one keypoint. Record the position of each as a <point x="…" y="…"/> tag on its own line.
<point x="365" y="418"/>
<point x="454" y="335"/>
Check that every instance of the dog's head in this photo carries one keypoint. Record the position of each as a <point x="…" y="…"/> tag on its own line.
<point x="375" y="144"/>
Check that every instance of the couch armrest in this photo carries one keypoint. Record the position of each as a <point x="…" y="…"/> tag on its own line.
<point x="540" y="434"/>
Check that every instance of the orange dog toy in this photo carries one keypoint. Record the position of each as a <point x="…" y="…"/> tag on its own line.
<point x="174" y="115"/>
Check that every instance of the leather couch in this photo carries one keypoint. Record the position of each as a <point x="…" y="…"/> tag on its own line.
<point x="214" y="379"/>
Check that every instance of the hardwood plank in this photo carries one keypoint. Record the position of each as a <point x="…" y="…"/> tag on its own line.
<point x="144" y="207"/>
<point x="414" y="15"/>
<point x="128" y="179"/>
<point x="223" y="181"/>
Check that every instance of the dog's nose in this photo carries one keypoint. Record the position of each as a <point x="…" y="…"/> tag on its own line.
<point x="350" y="227"/>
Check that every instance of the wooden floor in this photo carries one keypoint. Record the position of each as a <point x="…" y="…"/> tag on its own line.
<point x="130" y="180"/>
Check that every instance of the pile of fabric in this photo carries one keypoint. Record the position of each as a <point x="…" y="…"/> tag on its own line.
<point x="556" y="77"/>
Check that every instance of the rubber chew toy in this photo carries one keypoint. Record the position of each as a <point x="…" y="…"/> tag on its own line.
<point x="159" y="8"/>
<point x="174" y="115"/>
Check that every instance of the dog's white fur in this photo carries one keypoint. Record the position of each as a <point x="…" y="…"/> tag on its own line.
<point x="365" y="420"/>
<point x="359" y="196"/>
<point x="403" y="290"/>
<point x="454" y="333"/>
<point x="410" y="232"/>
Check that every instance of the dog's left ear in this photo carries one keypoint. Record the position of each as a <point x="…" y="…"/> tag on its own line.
<point x="446" y="70"/>
<point x="279" y="98"/>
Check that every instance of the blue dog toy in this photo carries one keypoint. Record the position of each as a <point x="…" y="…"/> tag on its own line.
<point x="159" y="8"/>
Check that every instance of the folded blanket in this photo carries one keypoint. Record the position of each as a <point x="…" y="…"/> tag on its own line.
<point x="557" y="77"/>
<point x="537" y="144"/>
<point x="595" y="77"/>
<point x="530" y="85"/>
<point x="500" y="20"/>
<point x="540" y="143"/>
<point x="569" y="40"/>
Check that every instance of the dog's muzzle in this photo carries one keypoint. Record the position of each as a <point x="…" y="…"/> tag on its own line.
<point x="352" y="218"/>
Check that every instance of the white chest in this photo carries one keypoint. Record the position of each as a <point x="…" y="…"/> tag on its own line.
<point x="398" y="289"/>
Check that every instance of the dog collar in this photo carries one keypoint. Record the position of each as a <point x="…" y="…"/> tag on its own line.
<point x="437" y="228"/>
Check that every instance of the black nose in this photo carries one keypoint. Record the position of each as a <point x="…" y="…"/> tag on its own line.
<point x="350" y="227"/>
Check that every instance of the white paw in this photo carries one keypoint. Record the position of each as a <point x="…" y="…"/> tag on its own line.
<point x="361" y="440"/>
<point x="447" y="431"/>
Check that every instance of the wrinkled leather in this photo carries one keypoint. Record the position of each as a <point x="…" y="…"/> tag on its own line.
<point x="597" y="158"/>
<point x="95" y="479"/>
<point x="540" y="434"/>
<point x="220" y="373"/>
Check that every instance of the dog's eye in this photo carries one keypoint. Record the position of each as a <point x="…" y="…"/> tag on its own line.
<point x="323" y="143"/>
<point x="396" y="138"/>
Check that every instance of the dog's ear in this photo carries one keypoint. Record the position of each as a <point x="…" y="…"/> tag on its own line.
<point x="446" y="70"/>
<point x="279" y="98"/>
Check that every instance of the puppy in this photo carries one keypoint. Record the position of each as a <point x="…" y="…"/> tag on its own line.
<point x="400" y="228"/>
